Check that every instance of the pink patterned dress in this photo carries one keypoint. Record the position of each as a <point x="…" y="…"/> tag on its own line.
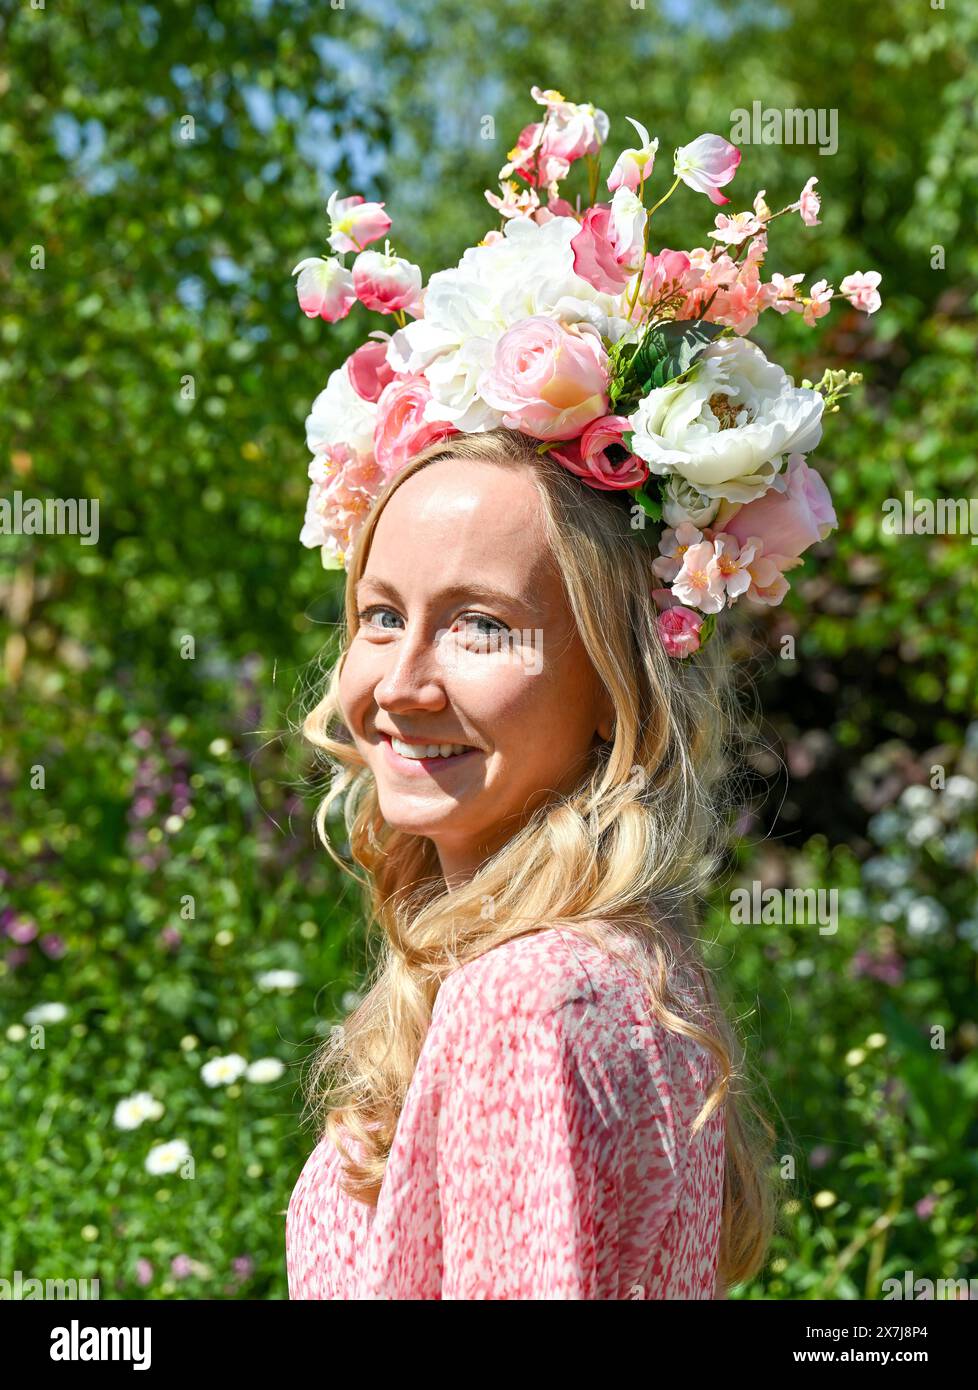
<point x="542" y="1152"/>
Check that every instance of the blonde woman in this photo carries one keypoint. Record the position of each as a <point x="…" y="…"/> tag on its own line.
<point x="539" y="1096"/>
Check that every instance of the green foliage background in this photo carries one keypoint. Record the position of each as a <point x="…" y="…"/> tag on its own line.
<point x="166" y="257"/>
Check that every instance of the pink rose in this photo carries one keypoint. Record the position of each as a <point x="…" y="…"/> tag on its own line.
<point x="679" y="629"/>
<point x="548" y="381"/>
<point x="385" y="282"/>
<point x="401" y="430"/>
<point x="369" y="370"/>
<point x="788" y="522"/>
<point x="600" y="457"/>
<point x="706" y="164"/>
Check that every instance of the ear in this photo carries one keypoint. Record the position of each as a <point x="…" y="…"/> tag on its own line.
<point x="606" y="717"/>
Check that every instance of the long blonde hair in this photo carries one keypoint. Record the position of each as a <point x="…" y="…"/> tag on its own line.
<point x="634" y="844"/>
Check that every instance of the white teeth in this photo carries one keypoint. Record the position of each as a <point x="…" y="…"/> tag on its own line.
<point x="427" y="750"/>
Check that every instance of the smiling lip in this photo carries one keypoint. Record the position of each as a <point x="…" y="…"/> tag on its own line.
<point x="416" y="765"/>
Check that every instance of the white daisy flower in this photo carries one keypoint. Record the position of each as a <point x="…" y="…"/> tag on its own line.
<point x="222" y="1071"/>
<point x="167" y="1158"/>
<point x="46" y="1013"/>
<point x="265" y="1069"/>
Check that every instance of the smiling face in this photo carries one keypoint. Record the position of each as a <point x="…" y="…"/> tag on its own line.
<point x="466" y="642"/>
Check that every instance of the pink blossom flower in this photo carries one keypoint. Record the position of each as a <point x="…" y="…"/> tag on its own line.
<point x="768" y="584"/>
<point x="550" y="381"/>
<point x="679" y="629"/>
<point x="733" y="230"/>
<point x="144" y="1272"/>
<point x="673" y="545"/>
<point x="52" y="945"/>
<point x="401" y="430"/>
<point x="785" y="522"/>
<point x="731" y="561"/>
<point x="354" y="224"/>
<point x="699" y="583"/>
<point x="324" y="288"/>
<point x="809" y="204"/>
<point x="546" y="149"/>
<point x="344" y="487"/>
<point x="600" y="457"/>
<point x="818" y="302"/>
<point x="926" y="1207"/>
<point x="181" y="1266"/>
<point x="385" y="282"/>
<point x="860" y="290"/>
<point x="369" y="370"/>
<point x="707" y="164"/>
<point x="665" y="274"/>
<point x="786" y="296"/>
<point x="634" y="166"/>
<point x="515" y="202"/>
<point x="610" y="243"/>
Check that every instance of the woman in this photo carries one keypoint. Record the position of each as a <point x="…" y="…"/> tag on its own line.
<point x="530" y="718"/>
<point x="535" y="1099"/>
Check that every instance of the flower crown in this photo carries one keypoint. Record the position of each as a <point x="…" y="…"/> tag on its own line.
<point x="629" y="365"/>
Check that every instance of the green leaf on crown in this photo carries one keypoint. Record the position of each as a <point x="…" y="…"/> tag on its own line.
<point x="669" y="350"/>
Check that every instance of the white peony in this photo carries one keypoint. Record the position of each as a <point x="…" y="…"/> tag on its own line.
<point x="467" y="309"/>
<point x="727" y="430"/>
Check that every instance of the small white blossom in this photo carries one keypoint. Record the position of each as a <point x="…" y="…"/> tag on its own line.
<point x="265" y="1069"/>
<point x="46" y="1013"/>
<point x="133" y="1110"/>
<point x="279" y="979"/>
<point x="167" y="1158"/>
<point x="222" y="1071"/>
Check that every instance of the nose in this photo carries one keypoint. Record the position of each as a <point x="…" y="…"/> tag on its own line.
<point x="412" y="680"/>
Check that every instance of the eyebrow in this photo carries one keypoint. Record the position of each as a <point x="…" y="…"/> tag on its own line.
<point x="475" y="590"/>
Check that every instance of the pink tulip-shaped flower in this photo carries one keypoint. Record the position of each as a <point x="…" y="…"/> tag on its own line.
<point x="634" y="166"/>
<point x="401" y="430"/>
<point x="385" y="282"/>
<point x="354" y="224"/>
<point x="608" y="248"/>
<point x="324" y="288"/>
<point x="600" y="457"/>
<point x="860" y="290"/>
<point x="707" y="164"/>
<point x="369" y="370"/>
<point x="548" y="380"/>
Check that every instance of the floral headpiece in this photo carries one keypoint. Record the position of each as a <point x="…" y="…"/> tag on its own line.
<point x="630" y="365"/>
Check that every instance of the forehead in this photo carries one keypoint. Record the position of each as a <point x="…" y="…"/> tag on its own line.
<point x="458" y="519"/>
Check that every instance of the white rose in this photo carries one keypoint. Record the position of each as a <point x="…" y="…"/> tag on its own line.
<point x="727" y="431"/>
<point x="683" y="502"/>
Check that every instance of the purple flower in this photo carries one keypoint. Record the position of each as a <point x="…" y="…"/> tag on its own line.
<point x="144" y="1272"/>
<point x="181" y="1266"/>
<point x="926" y="1206"/>
<point x="17" y="956"/>
<point x="142" y="738"/>
<point x="22" y="930"/>
<point x="53" y="946"/>
<point x="243" y="1266"/>
<point x="820" y="1155"/>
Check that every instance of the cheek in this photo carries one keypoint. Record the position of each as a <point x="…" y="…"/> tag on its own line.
<point x="356" y="689"/>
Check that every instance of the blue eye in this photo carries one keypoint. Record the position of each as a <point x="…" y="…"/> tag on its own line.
<point x="490" y="635"/>
<point x="365" y="615"/>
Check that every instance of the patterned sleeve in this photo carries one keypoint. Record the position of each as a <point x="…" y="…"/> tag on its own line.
<point x="555" y="1154"/>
